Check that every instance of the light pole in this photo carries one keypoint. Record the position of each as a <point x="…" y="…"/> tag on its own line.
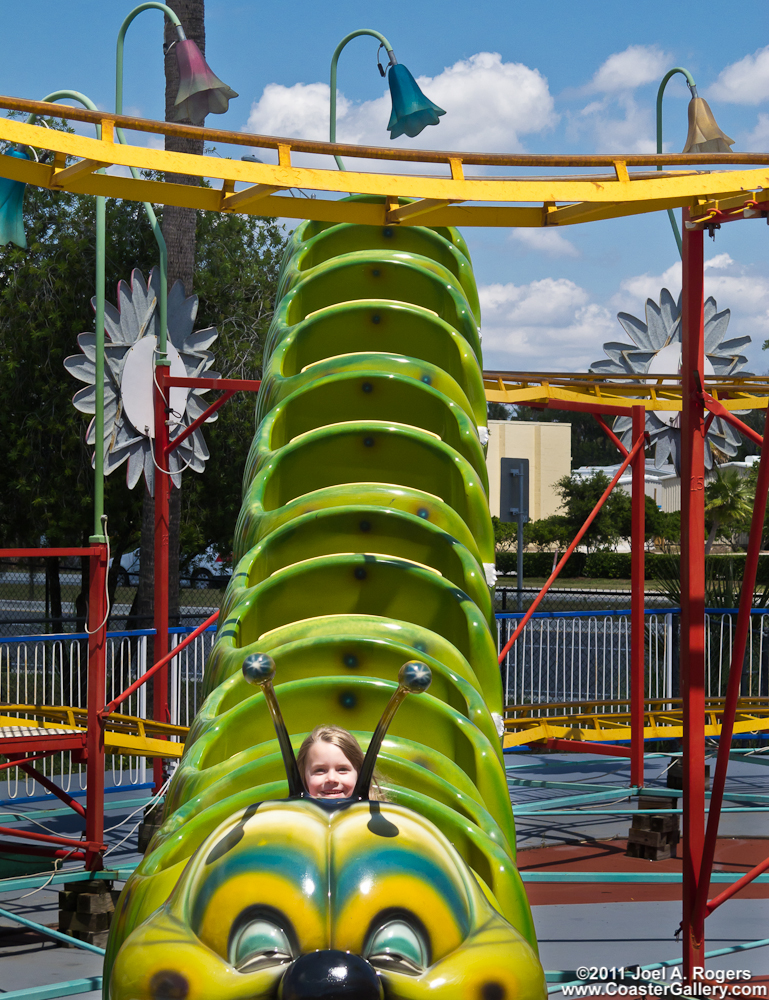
<point x="704" y="135"/>
<point x="201" y="92"/>
<point x="411" y="111"/>
<point x="99" y="532"/>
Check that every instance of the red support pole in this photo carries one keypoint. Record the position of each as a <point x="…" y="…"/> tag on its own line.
<point x="54" y="789"/>
<point x="692" y="590"/>
<point x="117" y="701"/>
<point x="741" y="631"/>
<point x="717" y="409"/>
<point x="637" y="596"/>
<point x="97" y="677"/>
<point x="735" y="887"/>
<point x="162" y="490"/>
<point x="610" y="434"/>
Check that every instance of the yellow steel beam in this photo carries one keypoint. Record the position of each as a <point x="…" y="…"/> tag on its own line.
<point x="425" y="206"/>
<point x="141" y="746"/>
<point x="621" y="391"/>
<point x="455" y="199"/>
<point x="82" y="168"/>
<point x="244" y="200"/>
<point x="538" y="730"/>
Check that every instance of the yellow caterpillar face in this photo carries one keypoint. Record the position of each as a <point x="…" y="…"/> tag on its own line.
<point x="297" y="900"/>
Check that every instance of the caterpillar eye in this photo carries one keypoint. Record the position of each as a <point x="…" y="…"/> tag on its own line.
<point x="258" y="944"/>
<point x="399" y="947"/>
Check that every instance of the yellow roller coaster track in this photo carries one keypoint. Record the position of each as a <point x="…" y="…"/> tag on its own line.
<point x="436" y="190"/>
<point x="123" y="734"/>
<point x="663" y="720"/>
<point x="621" y="392"/>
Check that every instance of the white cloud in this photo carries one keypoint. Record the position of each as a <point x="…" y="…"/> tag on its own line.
<point x="300" y="111"/>
<point x="547" y="325"/>
<point x="758" y="140"/>
<point x="489" y="106"/>
<point x="631" y="133"/>
<point x="745" y="81"/>
<point x="637" y="65"/>
<point x="547" y="241"/>
<point x="555" y="325"/>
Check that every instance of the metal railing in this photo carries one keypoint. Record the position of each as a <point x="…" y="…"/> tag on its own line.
<point x="52" y="670"/>
<point x="560" y="657"/>
<point x="584" y="656"/>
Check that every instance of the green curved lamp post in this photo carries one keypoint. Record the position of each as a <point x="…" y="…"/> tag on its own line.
<point x="411" y="110"/>
<point x="98" y="497"/>
<point x="704" y="135"/>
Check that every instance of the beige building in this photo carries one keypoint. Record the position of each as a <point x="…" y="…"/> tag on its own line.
<point x="548" y="449"/>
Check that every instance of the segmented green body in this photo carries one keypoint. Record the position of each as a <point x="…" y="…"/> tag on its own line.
<point x="364" y="541"/>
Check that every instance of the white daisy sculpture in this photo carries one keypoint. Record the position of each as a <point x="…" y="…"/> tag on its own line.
<point x="656" y="350"/>
<point x="129" y="361"/>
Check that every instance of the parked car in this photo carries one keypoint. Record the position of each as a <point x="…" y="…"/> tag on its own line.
<point x="206" y="570"/>
<point x="128" y="571"/>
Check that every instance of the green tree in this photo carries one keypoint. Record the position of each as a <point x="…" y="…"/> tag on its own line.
<point x="45" y="296"/>
<point x="44" y="304"/>
<point x="578" y="498"/>
<point x="548" y="532"/>
<point x="728" y="505"/>
<point x="238" y="258"/>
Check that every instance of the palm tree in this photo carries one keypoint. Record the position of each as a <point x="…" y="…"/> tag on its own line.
<point x="729" y="501"/>
<point x="179" y="232"/>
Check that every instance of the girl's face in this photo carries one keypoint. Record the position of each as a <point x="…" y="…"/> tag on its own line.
<point x="328" y="773"/>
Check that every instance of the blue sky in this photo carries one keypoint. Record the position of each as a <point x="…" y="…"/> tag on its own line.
<point x="548" y="77"/>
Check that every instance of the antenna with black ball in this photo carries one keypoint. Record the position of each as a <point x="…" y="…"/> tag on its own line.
<point x="259" y="670"/>
<point x="414" y="677"/>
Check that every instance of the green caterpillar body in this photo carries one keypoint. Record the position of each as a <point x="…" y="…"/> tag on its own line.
<point x="364" y="541"/>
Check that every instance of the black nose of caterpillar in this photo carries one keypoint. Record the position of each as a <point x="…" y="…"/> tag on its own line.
<point x="330" y="975"/>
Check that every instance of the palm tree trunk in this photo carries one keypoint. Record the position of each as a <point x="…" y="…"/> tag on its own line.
<point x="179" y="232"/>
<point x="712" y="536"/>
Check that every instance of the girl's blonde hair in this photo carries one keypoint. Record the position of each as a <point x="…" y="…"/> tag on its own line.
<point x="349" y="747"/>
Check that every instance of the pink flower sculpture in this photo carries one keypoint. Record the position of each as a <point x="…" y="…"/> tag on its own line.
<point x="201" y="92"/>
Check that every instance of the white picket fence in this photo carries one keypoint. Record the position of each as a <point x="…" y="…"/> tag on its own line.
<point x="560" y="657"/>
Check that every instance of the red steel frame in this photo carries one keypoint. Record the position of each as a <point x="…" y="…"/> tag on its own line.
<point x="164" y="381"/>
<point x="87" y="747"/>
<point x="698" y="846"/>
<point x="692" y="588"/>
<point x="635" y="458"/>
<point x="698" y="409"/>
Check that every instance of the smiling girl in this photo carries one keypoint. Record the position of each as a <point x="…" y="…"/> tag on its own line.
<point x="329" y="761"/>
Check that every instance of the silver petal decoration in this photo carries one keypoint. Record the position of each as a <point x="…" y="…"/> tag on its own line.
<point x="662" y="328"/>
<point x="137" y="316"/>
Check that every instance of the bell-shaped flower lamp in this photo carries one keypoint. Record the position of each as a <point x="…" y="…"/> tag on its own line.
<point x="11" y="201"/>
<point x="704" y="134"/>
<point x="201" y="92"/>
<point x="412" y="111"/>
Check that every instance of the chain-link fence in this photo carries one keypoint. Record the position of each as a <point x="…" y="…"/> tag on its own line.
<point x="50" y="596"/>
